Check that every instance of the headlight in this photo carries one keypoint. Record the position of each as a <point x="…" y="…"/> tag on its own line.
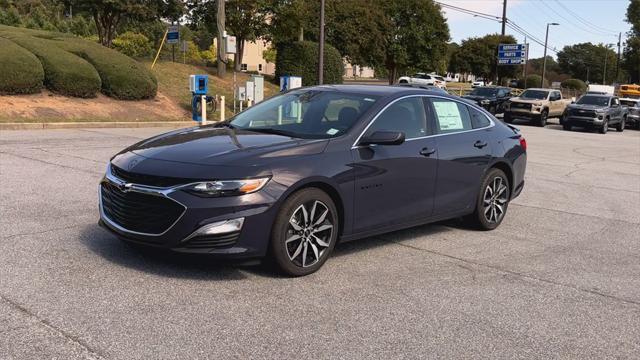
<point x="219" y="188"/>
<point x="485" y="102"/>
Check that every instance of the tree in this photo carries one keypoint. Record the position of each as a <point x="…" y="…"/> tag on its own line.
<point x="586" y="61"/>
<point x="246" y="20"/>
<point x="479" y="56"/>
<point x="631" y="58"/>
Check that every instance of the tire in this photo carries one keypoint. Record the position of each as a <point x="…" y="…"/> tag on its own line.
<point x="621" y="124"/>
<point x="306" y="253"/>
<point x="637" y="124"/>
<point x="542" y="119"/>
<point x="507" y="118"/>
<point x="566" y="127"/>
<point x="605" y="127"/>
<point x="479" y="219"/>
<point x="492" y="109"/>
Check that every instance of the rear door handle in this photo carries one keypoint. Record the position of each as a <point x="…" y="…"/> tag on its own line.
<point x="427" y="151"/>
<point x="480" y="144"/>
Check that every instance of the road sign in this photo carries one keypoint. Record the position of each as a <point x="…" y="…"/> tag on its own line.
<point x="512" y="54"/>
<point x="173" y="34"/>
<point x="230" y="44"/>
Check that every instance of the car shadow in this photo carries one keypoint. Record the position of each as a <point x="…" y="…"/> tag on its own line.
<point x="204" y="267"/>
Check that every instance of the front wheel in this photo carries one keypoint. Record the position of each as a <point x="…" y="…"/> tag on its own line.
<point x="566" y="126"/>
<point x="542" y="119"/>
<point x="304" y="233"/>
<point x="507" y="118"/>
<point x="605" y="127"/>
<point x="621" y="124"/>
<point x="492" y="201"/>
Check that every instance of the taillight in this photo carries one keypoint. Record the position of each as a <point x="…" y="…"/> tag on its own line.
<point x="523" y="143"/>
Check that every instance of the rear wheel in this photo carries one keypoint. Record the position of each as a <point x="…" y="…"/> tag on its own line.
<point x="621" y="124"/>
<point x="492" y="201"/>
<point x="304" y="233"/>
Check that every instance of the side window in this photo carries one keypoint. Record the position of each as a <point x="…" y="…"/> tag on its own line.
<point x="502" y="93"/>
<point x="450" y="116"/>
<point x="406" y="115"/>
<point x="478" y="119"/>
<point x="615" y="101"/>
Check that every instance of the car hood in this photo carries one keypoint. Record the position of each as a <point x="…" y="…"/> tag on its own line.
<point x="224" y="146"/>
<point x="585" y="106"/>
<point x="478" y="97"/>
<point x="526" y="101"/>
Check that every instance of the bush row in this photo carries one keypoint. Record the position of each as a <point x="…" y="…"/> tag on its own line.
<point x="20" y="71"/>
<point x="301" y="59"/>
<point x="77" y="67"/>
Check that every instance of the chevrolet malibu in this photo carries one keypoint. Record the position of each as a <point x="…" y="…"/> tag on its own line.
<point x="289" y="177"/>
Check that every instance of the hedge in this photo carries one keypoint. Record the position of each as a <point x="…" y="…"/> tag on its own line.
<point x="64" y="73"/>
<point x="20" y="71"/>
<point x="122" y="77"/>
<point x="301" y="59"/>
<point x="77" y="67"/>
<point x="575" y="84"/>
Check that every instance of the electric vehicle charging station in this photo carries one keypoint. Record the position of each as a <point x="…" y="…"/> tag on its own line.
<point x="199" y="87"/>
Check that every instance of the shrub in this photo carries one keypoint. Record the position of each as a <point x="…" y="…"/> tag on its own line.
<point x="574" y="84"/>
<point x="64" y="72"/>
<point x="122" y="77"/>
<point x="533" y="81"/>
<point x="132" y="44"/>
<point x="20" y="71"/>
<point x="301" y="59"/>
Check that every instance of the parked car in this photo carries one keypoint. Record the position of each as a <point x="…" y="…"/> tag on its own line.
<point x="423" y="79"/>
<point x="490" y="97"/>
<point x="426" y="87"/>
<point x="480" y="82"/>
<point x="513" y="83"/>
<point x="595" y="111"/>
<point x="633" y="115"/>
<point x="536" y="105"/>
<point x="291" y="176"/>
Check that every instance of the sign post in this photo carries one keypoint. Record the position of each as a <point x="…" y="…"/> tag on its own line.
<point x="512" y="54"/>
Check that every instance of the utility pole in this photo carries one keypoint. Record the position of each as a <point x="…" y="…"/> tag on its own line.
<point x="504" y="16"/>
<point x="544" y="61"/>
<point x="618" y="59"/>
<point x="321" y="45"/>
<point x="222" y="52"/>
<point x="606" y="55"/>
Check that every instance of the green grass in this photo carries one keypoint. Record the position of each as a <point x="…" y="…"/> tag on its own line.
<point x="77" y="67"/>
<point x="20" y="71"/>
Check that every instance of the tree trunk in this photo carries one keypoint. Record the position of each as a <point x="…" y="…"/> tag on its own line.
<point x="239" y="53"/>
<point x="301" y="34"/>
<point x="222" y="52"/>
<point x="393" y="73"/>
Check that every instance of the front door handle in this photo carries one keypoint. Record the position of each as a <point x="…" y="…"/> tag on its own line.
<point x="427" y="151"/>
<point x="480" y="144"/>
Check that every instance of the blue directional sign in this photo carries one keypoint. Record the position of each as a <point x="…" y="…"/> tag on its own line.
<point x="173" y="34"/>
<point x="512" y="54"/>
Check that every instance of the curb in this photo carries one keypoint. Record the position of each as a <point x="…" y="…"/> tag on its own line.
<point x="94" y="125"/>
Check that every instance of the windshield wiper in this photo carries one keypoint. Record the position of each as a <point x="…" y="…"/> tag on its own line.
<point x="274" y="131"/>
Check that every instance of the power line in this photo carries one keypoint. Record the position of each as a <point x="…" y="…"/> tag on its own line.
<point x="600" y="33"/>
<point x="585" y="22"/>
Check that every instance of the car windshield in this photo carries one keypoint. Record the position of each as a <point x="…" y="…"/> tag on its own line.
<point x="484" y="92"/>
<point x="535" y="94"/>
<point x="594" y="100"/>
<point x="314" y="114"/>
<point x="630" y="103"/>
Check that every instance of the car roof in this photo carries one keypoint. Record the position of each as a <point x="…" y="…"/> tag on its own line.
<point x="379" y="90"/>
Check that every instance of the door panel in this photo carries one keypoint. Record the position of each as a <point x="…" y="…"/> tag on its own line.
<point x="395" y="183"/>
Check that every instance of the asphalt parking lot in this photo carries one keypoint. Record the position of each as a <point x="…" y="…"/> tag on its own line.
<point x="559" y="279"/>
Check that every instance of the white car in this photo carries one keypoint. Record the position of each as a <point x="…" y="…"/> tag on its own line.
<point x="479" y="82"/>
<point x="424" y="79"/>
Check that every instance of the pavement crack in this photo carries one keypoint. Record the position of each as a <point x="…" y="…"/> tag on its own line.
<point x="573" y="213"/>
<point x="515" y="273"/>
<point x="51" y="163"/>
<point x="42" y="232"/>
<point x="69" y="155"/>
<point x="91" y="352"/>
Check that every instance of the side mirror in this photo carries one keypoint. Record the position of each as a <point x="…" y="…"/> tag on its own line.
<point x="381" y="137"/>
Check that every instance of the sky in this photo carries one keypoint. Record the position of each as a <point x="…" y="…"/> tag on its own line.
<point x="598" y="21"/>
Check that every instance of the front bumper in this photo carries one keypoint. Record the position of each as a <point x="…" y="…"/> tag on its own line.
<point x="582" y="121"/>
<point x="256" y="210"/>
<point x="517" y="113"/>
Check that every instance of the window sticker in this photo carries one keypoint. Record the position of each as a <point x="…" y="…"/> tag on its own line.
<point x="332" y="131"/>
<point x="449" y="117"/>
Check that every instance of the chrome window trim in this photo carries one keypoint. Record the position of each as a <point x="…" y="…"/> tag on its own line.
<point x="149" y="190"/>
<point x="491" y="122"/>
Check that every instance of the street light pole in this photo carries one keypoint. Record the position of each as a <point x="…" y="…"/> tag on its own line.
<point x="544" y="61"/>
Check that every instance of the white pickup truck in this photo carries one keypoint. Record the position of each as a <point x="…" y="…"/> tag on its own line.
<point x="536" y="105"/>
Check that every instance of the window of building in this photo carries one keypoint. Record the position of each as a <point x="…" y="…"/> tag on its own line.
<point x="243" y="67"/>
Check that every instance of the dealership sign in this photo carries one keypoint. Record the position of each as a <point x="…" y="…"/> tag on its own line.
<point x="512" y="54"/>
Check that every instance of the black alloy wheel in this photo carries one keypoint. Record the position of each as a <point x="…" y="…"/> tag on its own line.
<point x="492" y="202"/>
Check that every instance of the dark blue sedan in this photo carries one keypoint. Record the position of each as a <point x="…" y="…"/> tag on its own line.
<point x="289" y="177"/>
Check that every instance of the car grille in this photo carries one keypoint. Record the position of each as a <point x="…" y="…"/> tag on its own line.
<point x="138" y="212"/>
<point x="584" y="113"/>
<point x="523" y="106"/>
<point x="149" y="180"/>
<point x="212" y="241"/>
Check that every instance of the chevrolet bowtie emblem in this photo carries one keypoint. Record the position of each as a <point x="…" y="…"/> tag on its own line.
<point x="124" y="187"/>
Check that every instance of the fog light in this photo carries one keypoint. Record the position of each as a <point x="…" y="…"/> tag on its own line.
<point x="218" y="228"/>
